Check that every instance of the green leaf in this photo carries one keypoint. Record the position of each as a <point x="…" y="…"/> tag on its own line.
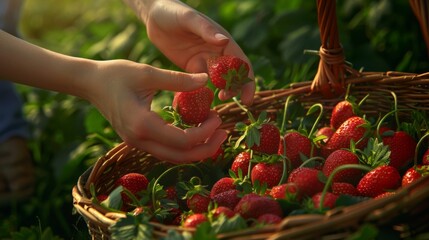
<point x="114" y="200"/>
<point x="366" y="231"/>
<point x="205" y="231"/>
<point x="132" y="228"/>
<point x="223" y="224"/>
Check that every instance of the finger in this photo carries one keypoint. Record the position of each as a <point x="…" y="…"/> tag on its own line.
<point x="178" y="155"/>
<point x="248" y="93"/>
<point x="176" y="81"/>
<point x="157" y="130"/>
<point x="208" y="30"/>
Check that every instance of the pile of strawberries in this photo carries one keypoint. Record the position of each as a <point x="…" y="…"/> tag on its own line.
<point x="270" y="172"/>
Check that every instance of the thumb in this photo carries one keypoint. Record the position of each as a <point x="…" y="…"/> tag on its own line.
<point x="177" y="81"/>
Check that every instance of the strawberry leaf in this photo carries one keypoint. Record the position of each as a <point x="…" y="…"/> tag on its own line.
<point x="132" y="227"/>
<point x="223" y="224"/>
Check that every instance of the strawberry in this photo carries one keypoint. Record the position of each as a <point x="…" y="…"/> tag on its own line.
<point x="228" y="72"/>
<point x="269" y="218"/>
<point x="342" y="111"/>
<point x="402" y="147"/>
<point x="194" y="106"/>
<point x="286" y="191"/>
<point x="379" y="180"/>
<point x="267" y="173"/>
<point x="253" y="205"/>
<point x="344" y="188"/>
<point x="425" y="158"/>
<point x="229" y="198"/>
<point x="102" y="197"/>
<point x="325" y="131"/>
<point x="353" y="129"/>
<point x="241" y="161"/>
<point x="133" y="182"/>
<point x="338" y="158"/>
<point x="414" y="173"/>
<point x="308" y="180"/>
<point x="198" y="203"/>
<point x="222" y="185"/>
<point x="228" y="212"/>
<point x="193" y="220"/>
<point x="385" y="194"/>
<point x="269" y="139"/>
<point x="171" y="193"/>
<point x="296" y="144"/>
<point x="328" y="202"/>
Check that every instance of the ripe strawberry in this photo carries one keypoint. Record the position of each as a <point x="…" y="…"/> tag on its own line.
<point x="269" y="173"/>
<point x="425" y="158"/>
<point x="325" y="131"/>
<point x="228" y="72"/>
<point x="286" y="191"/>
<point x="194" y="106"/>
<point x="198" y="203"/>
<point x="402" y="147"/>
<point x="133" y="182"/>
<point x="241" y="161"/>
<point x="222" y="185"/>
<point x="353" y="129"/>
<point x="307" y="180"/>
<point x="379" y="180"/>
<point x="269" y="139"/>
<point x="171" y="193"/>
<point x="228" y="212"/>
<point x="253" y="205"/>
<point x="296" y="144"/>
<point x="229" y="198"/>
<point x="269" y="219"/>
<point x="385" y="194"/>
<point x="344" y="188"/>
<point x="342" y="111"/>
<point x="414" y="173"/>
<point x="328" y="202"/>
<point x="338" y="158"/>
<point x="192" y="221"/>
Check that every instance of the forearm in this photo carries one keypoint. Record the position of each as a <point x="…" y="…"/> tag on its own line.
<point x="25" y="63"/>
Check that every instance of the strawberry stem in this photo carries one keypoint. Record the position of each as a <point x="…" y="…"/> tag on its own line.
<point x="395" y="108"/>
<point x="331" y="178"/>
<point x="419" y="143"/>
<point x="284" y="113"/>
<point x="252" y="119"/>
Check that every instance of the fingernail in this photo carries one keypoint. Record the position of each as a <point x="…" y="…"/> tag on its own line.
<point x="220" y="36"/>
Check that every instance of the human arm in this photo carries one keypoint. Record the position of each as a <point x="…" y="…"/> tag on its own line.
<point x="188" y="38"/>
<point x="121" y="90"/>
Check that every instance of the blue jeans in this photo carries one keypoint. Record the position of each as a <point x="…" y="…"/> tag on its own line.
<point x="12" y="121"/>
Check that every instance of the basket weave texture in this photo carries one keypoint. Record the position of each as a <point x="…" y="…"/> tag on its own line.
<point x="328" y="87"/>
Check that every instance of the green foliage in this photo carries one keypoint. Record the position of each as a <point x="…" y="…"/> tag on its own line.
<point x="69" y="134"/>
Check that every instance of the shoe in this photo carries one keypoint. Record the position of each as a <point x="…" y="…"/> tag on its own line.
<point x="17" y="172"/>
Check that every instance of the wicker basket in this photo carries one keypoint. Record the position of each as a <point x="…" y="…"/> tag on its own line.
<point x="408" y="205"/>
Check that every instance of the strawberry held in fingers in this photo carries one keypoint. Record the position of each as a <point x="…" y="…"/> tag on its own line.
<point x="228" y="72"/>
<point x="194" y="106"/>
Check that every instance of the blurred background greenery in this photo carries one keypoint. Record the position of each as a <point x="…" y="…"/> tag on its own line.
<point x="69" y="134"/>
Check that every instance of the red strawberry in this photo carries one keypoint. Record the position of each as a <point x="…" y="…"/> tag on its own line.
<point x="343" y="188"/>
<point x="194" y="106"/>
<point x="102" y="197"/>
<point x="414" y="173"/>
<point x="171" y="193"/>
<point x="287" y="191"/>
<point x="354" y="128"/>
<point x="379" y="180"/>
<point x="425" y="158"/>
<point x="339" y="158"/>
<point x="341" y="112"/>
<point x="222" y="185"/>
<point x="269" y="139"/>
<point x="229" y="198"/>
<point x="228" y="72"/>
<point x="296" y="144"/>
<point x="307" y="180"/>
<point x="229" y="213"/>
<point x="328" y="202"/>
<point x="133" y="182"/>
<point x="326" y="131"/>
<point x="385" y="194"/>
<point x="241" y="161"/>
<point x="253" y="205"/>
<point x="269" y="219"/>
<point x="269" y="173"/>
<point x="402" y="147"/>
<point x="198" y="203"/>
<point x="192" y="221"/>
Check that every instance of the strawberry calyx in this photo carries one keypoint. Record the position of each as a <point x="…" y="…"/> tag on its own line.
<point x="235" y="79"/>
<point x="374" y="154"/>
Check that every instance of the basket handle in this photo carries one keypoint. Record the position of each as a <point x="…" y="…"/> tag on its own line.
<point x="421" y="10"/>
<point x="329" y="79"/>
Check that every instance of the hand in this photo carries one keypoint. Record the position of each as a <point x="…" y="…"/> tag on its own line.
<point x="123" y="92"/>
<point x="188" y="38"/>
